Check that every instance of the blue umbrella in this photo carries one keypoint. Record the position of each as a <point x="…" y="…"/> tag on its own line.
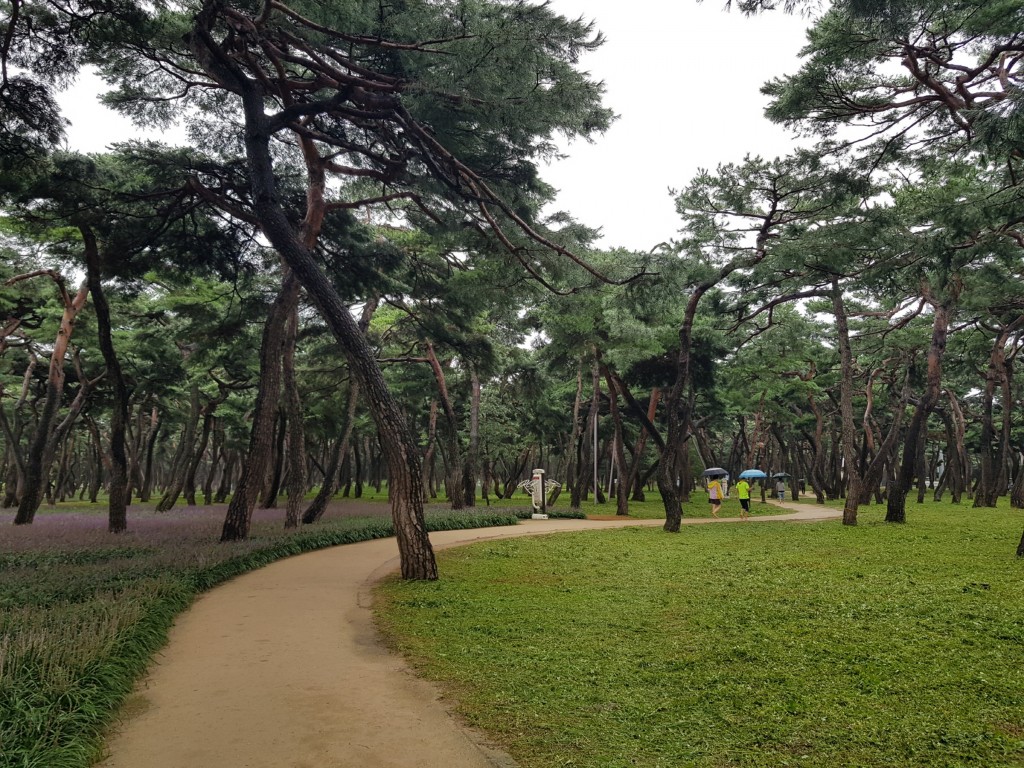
<point x="753" y="474"/>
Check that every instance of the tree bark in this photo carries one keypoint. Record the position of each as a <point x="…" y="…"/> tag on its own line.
<point x="473" y="452"/>
<point x="330" y="483"/>
<point x="183" y="458"/>
<point x="296" y="487"/>
<point x="35" y="469"/>
<point x="454" y="482"/>
<point x="261" y="438"/>
<point x="618" y="454"/>
<point x="416" y="553"/>
<point x="896" y="505"/>
<point x="117" y="516"/>
<point x="848" y="438"/>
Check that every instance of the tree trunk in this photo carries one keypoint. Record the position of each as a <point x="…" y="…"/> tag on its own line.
<point x="117" y="515"/>
<point x="429" y="489"/>
<point x="849" y="437"/>
<point x="623" y="487"/>
<point x="995" y="376"/>
<point x="36" y="471"/>
<point x="183" y="459"/>
<point x="189" y="486"/>
<point x="416" y="553"/>
<point x="296" y="487"/>
<point x="226" y="477"/>
<point x="261" y="437"/>
<point x="273" y="487"/>
<point x="216" y="459"/>
<point x="330" y="483"/>
<point x="454" y="482"/>
<point x="896" y="511"/>
<point x="473" y="453"/>
<point x="146" y="491"/>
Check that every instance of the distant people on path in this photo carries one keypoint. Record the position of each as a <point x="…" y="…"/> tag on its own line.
<point x="780" y="488"/>
<point x="715" y="495"/>
<point x="743" y="491"/>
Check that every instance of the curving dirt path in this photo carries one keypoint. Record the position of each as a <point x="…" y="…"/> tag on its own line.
<point x="282" y="667"/>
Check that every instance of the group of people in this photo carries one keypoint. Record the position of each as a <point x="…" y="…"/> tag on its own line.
<point x="716" y="494"/>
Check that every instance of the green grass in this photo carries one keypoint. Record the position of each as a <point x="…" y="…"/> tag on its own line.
<point x="82" y="612"/>
<point x="770" y="644"/>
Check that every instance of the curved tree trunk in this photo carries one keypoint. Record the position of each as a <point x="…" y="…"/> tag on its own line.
<point x="261" y="438"/>
<point x="329" y="487"/>
<point x="416" y="553"/>
<point x="183" y="457"/>
<point x="117" y="516"/>
<point x="36" y="470"/>
<point x="896" y="505"/>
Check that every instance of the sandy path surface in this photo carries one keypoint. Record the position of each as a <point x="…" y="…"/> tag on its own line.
<point x="282" y="667"/>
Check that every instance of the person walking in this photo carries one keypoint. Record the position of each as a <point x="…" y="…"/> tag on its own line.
<point x="780" y="488"/>
<point x="715" y="495"/>
<point x="743" y="491"/>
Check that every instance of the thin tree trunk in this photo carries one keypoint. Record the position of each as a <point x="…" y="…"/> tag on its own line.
<point x="473" y="453"/>
<point x="296" y="487"/>
<point x="145" y="492"/>
<point x="184" y="454"/>
<point x="454" y="481"/>
<point x="896" y="511"/>
<point x="277" y="462"/>
<point x="330" y="483"/>
<point x="36" y="471"/>
<point x="848" y="438"/>
<point x="261" y="438"/>
<point x="117" y="515"/>
<point x="618" y="454"/>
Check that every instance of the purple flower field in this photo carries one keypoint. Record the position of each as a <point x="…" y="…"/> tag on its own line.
<point x="84" y="526"/>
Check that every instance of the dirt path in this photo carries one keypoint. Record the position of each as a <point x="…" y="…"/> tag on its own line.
<point x="282" y="667"/>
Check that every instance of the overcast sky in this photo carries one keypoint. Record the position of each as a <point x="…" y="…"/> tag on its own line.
<point x="684" y="78"/>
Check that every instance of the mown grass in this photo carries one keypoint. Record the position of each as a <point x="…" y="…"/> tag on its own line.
<point x="82" y="612"/>
<point x="735" y="645"/>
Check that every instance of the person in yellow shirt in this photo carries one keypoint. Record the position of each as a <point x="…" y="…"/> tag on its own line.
<point x="715" y="495"/>
<point x="743" y="491"/>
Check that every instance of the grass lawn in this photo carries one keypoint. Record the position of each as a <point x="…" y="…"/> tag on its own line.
<point x="769" y="644"/>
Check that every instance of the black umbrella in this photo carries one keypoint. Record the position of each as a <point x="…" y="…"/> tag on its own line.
<point x="781" y="474"/>
<point x="714" y="472"/>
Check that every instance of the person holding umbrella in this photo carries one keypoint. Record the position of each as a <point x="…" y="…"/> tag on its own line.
<point x="715" y="493"/>
<point x="743" y="491"/>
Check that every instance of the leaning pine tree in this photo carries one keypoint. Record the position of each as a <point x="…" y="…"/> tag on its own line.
<point x="446" y="106"/>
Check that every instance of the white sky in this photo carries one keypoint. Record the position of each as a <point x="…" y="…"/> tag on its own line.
<point x="684" y="78"/>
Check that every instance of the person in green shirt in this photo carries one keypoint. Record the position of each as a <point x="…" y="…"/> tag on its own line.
<point x="743" y="491"/>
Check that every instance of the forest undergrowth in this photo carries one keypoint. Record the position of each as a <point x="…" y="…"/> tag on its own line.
<point x="83" y="611"/>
